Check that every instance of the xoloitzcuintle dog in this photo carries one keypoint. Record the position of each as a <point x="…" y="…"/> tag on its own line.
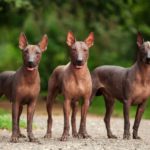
<point x="129" y="85"/>
<point x="73" y="81"/>
<point x="23" y="86"/>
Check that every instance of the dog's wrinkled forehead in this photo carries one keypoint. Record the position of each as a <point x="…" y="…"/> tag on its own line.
<point x="78" y="45"/>
<point x="33" y="48"/>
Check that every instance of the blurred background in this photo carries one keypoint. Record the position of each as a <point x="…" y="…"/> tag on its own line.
<point x="115" y="24"/>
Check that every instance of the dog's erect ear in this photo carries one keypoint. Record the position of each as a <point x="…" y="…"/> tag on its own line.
<point x="43" y="43"/>
<point x="140" y="39"/>
<point x="22" y="41"/>
<point x="70" y="39"/>
<point x="90" y="40"/>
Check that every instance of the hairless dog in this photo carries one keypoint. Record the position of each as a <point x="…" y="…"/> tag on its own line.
<point x="73" y="81"/>
<point x="129" y="85"/>
<point x="23" y="86"/>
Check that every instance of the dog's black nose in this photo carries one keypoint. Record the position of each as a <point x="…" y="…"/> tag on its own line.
<point x="79" y="62"/>
<point x="148" y="60"/>
<point x="30" y="63"/>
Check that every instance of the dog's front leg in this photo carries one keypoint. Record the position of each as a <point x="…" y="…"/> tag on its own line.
<point x="15" y="126"/>
<point x="139" y="112"/>
<point x="19" y="132"/>
<point x="74" y="105"/>
<point x="66" y="109"/>
<point x="82" y="130"/>
<point x="30" y="113"/>
<point x="126" y="107"/>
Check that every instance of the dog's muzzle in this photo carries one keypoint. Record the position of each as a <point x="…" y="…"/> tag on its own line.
<point x="79" y="64"/>
<point x="148" y="60"/>
<point x="31" y="66"/>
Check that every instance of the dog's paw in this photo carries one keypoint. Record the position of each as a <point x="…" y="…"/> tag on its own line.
<point x="22" y="135"/>
<point x="137" y="137"/>
<point x="33" y="139"/>
<point x="126" y="136"/>
<point x="14" y="139"/>
<point x="47" y="136"/>
<point x="111" y="136"/>
<point x="83" y="135"/>
<point x="75" y="134"/>
<point x="64" y="137"/>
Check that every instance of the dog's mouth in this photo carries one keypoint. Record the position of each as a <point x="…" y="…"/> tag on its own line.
<point x="78" y="67"/>
<point x="30" y="68"/>
<point x="148" y="61"/>
<point x="79" y="64"/>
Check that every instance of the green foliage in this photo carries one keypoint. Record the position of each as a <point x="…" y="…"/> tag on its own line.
<point x="6" y="121"/>
<point x="115" y="24"/>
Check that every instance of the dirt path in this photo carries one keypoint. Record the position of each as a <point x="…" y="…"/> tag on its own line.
<point x="95" y="128"/>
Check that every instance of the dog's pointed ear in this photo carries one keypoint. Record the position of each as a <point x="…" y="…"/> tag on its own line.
<point x="22" y="41"/>
<point x="43" y="43"/>
<point x="90" y="40"/>
<point x="70" y="39"/>
<point x="140" y="39"/>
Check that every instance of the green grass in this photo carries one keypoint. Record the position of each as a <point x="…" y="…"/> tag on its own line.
<point x="6" y="121"/>
<point x="98" y="107"/>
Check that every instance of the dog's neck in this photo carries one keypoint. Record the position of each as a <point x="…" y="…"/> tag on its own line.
<point x="142" y="72"/>
<point x="81" y="72"/>
<point x="29" y="76"/>
<point x="142" y="67"/>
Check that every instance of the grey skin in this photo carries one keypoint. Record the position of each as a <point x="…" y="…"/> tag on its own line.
<point x="73" y="81"/>
<point x="23" y="86"/>
<point x="131" y="86"/>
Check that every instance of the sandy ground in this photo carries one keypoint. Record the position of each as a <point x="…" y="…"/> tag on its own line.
<point x="95" y="127"/>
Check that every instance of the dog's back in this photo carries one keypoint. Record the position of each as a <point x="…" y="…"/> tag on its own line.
<point x="109" y="80"/>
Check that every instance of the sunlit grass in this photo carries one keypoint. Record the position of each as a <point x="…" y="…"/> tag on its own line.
<point x="6" y="121"/>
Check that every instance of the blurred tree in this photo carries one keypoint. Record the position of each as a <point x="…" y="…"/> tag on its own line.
<point x="114" y="23"/>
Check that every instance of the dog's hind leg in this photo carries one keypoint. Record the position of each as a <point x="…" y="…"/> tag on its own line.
<point x="74" y="106"/>
<point x="109" y="103"/>
<point x="52" y="93"/>
<point x="19" y="132"/>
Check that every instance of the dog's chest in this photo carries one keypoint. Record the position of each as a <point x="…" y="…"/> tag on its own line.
<point x="140" y="92"/>
<point x="77" y="87"/>
<point x="27" y="92"/>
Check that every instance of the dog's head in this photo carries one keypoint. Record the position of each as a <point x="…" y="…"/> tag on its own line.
<point x="79" y="50"/>
<point x="144" y="49"/>
<point x="32" y="53"/>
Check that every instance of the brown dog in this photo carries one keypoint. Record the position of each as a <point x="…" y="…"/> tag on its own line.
<point x="129" y="85"/>
<point x="23" y="86"/>
<point x="73" y="81"/>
